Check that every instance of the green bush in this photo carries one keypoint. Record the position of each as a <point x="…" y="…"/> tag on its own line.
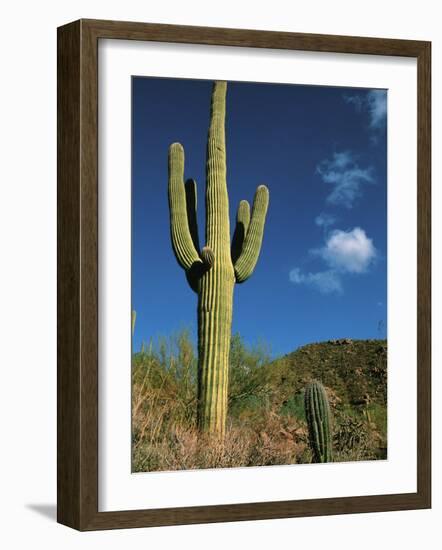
<point x="266" y="421"/>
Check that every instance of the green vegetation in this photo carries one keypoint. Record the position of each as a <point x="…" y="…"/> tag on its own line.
<point x="213" y="271"/>
<point x="266" y="421"/>
<point x="317" y="412"/>
<point x="134" y="318"/>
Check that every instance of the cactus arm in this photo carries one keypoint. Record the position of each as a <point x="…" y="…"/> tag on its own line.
<point x="207" y="257"/>
<point x="198" y="269"/>
<point x="182" y="242"/>
<point x="191" y="204"/>
<point x="242" y="225"/>
<point x="245" y="264"/>
<point x="193" y="274"/>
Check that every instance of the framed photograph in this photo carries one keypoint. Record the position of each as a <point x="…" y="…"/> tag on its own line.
<point x="243" y="274"/>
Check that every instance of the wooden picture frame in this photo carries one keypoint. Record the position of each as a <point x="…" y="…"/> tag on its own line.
<point x="77" y="462"/>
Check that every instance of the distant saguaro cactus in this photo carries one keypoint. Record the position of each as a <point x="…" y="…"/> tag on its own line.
<point x="317" y="412"/>
<point x="212" y="271"/>
<point x="134" y="318"/>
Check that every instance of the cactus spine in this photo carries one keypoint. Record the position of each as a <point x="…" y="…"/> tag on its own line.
<point x="317" y="412"/>
<point x="212" y="271"/>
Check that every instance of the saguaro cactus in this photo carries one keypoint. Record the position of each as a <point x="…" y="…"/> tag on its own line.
<point x="212" y="271"/>
<point x="134" y="318"/>
<point x="317" y="412"/>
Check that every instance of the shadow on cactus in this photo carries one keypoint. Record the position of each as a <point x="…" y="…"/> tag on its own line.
<point x="318" y="416"/>
<point x="213" y="271"/>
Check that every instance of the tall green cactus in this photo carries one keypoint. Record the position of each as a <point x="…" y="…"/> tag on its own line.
<point x="212" y="271"/>
<point x="134" y="318"/>
<point x="317" y="412"/>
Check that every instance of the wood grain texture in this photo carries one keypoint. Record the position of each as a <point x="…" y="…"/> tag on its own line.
<point x="77" y="226"/>
<point x="424" y="274"/>
<point x="68" y="276"/>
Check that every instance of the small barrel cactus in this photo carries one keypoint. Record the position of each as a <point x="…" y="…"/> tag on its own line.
<point x="318" y="415"/>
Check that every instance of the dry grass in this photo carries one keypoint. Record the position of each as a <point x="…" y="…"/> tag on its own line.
<point x="163" y="446"/>
<point x="263" y="428"/>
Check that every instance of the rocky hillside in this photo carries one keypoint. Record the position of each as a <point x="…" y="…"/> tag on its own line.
<point x="355" y="371"/>
<point x="266" y="418"/>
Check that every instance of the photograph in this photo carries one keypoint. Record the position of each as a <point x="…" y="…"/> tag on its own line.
<point x="243" y="273"/>
<point x="258" y="274"/>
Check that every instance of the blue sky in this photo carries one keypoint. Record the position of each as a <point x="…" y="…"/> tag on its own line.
<point x="322" y="152"/>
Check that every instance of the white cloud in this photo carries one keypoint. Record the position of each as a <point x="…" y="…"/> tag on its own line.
<point x="356" y="100"/>
<point x="344" y="252"/>
<point x="348" y="251"/>
<point x="325" y="220"/>
<point x="326" y="282"/>
<point x="374" y="103"/>
<point x="377" y="107"/>
<point x="345" y="176"/>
